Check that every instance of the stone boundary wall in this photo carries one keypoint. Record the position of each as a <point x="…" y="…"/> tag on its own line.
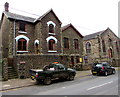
<point x="23" y="63"/>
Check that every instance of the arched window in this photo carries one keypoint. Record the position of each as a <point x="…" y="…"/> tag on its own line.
<point x="36" y="44"/>
<point x="51" y="44"/>
<point x="110" y="42"/>
<point x="22" y="44"/>
<point x="110" y="53"/>
<point x="88" y="47"/>
<point x="103" y="46"/>
<point x="51" y="28"/>
<point x="117" y="48"/>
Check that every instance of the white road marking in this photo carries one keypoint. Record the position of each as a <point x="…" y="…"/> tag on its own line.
<point x="99" y="85"/>
<point x="63" y="87"/>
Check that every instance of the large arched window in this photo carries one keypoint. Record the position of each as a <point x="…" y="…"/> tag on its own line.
<point x="103" y="46"/>
<point x="110" y="53"/>
<point x="88" y="47"/>
<point x="22" y="43"/>
<point x="110" y="42"/>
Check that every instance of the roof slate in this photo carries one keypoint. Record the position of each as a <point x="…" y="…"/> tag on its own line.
<point x="51" y="10"/>
<point x="19" y="17"/>
<point x="92" y="36"/>
<point x="70" y="25"/>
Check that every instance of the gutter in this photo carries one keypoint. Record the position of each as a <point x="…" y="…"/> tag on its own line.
<point x="14" y="52"/>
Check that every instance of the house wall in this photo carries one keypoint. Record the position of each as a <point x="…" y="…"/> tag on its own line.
<point x="73" y="53"/>
<point x="4" y="32"/>
<point x="72" y="34"/>
<point x="45" y="31"/>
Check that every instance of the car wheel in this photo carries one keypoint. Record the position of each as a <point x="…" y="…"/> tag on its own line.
<point x="47" y="81"/>
<point x="113" y="72"/>
<point x="38" y="81"/>
<point x="71" y="77"/>
<point x="106" y="73"/>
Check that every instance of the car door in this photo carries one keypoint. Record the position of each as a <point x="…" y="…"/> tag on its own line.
<point x="62" y="71"/>
<point x="54" y="70"/>
<point x="110" y="69"/>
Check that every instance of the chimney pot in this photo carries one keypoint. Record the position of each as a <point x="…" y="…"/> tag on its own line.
<point x="6" y="6"/>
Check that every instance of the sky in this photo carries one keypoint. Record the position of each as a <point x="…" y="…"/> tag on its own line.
<point x="88" y="16"/>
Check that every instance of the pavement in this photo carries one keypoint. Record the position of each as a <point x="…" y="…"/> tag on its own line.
<point x="19" y="83"/>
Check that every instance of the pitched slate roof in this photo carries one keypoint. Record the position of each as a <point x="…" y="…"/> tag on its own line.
<point x="26" y="18"/>
<point x="92" y="36"/>
<point x="51" y="10"/>
<point x="19" y="17"/>
<point x="70" y="25"/>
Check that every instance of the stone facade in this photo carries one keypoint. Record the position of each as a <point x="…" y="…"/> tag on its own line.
<point x="104" y="46"/>
<point x="32" y="43"/>
<point x="74" y="53"/>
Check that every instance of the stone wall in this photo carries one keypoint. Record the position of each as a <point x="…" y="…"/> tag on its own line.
<point x="25" y="62"/>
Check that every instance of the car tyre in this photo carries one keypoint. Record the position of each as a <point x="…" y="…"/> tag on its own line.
<point x="47" y="81"/>
<point x="71" y="77"/>
<point x="106" y="73"/>
<point x="113" y="72"/>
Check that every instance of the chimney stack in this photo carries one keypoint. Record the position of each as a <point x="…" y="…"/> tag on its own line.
<point x="6" y="7"/>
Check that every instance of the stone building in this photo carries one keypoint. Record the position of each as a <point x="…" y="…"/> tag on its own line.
<point x="102" y="46"/>
<point x="32" y="43"/>
<point x="72" y="44"/>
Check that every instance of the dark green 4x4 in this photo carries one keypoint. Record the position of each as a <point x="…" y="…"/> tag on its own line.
<point x="51" y="72"/>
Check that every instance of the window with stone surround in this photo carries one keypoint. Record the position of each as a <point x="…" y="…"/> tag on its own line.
<point x="22" y="26"/>
<point x="22" y="44"/>
<point x="66" y="42"/>
<point x="77" y="59"/>
<point x="103" y="46"/>
<point x="117" y="48"/>
<point x="88" y="47"/>
<point x="51" y="44"/>
<point x="51" y="27"/>
<point x="76" y="44"/>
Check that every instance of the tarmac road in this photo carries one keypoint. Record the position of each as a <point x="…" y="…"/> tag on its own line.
<point x="88" y="85"/>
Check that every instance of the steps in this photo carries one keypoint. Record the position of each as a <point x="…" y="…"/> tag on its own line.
<point x="12" y="74"/>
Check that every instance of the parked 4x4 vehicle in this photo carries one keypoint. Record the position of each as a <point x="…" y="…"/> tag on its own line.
<point x="51" y="72"/>
<point x="102" y="68"/>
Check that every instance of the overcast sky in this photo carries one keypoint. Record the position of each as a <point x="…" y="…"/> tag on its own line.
<point x="88" y="16"/>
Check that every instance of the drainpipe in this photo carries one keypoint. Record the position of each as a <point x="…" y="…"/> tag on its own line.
<point x="14" y="46"/>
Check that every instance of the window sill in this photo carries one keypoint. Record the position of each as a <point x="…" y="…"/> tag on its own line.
<point x="22" y="51"/>
<point x="52" y="51"/>
<point x="23" y="32"/>
<point x="51" y="33"/>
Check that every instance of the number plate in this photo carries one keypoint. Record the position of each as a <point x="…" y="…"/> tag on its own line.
<point x="32" y="77"/>
<point x="94" y="72"/>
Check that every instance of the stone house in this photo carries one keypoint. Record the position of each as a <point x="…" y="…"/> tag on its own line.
<point x="72" y="44"/>
<point x="102" y="46"/>
<point x="32" y="43"/>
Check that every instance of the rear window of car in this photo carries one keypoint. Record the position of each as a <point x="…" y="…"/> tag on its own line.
<point x="99" y="65"/>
